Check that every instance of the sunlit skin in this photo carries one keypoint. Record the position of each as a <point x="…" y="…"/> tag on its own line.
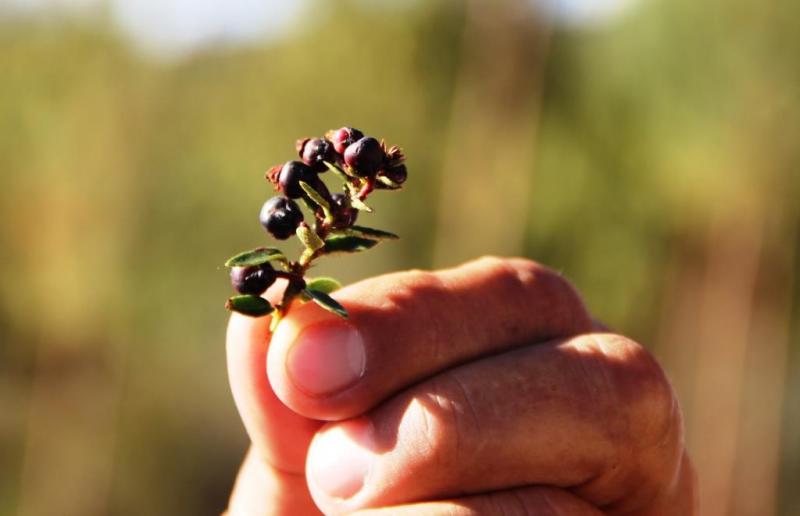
<point x="483" y="389"/>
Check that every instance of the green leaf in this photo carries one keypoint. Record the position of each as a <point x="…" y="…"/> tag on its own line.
<point x="315" y="196"/>
<point x="256" y="257"/>
<point x="326" y="302"/>
<point x="321" y="284"/>
<point x="358" y="204"/>
<point x="310" y="239"/>
<point x="253" y="306"/>
<point x="348" y="244"/>
<point x="337" y="170"/>
<point x="389" y="183"/>
<point x="365" y="232"/>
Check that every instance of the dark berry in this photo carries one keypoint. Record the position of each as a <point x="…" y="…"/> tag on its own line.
<point x="290" y="176"/>
<point x="344" y="137"/>
<point x="254" y="280"/>
<point x="280" y="216"/>
<point x="397" y="174"/>
<point x="316" y="151"/>
<point x="365" y="156"/>
<point x="344" y="215"/>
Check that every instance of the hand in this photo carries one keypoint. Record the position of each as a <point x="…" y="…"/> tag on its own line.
<point x="482" y="389"/>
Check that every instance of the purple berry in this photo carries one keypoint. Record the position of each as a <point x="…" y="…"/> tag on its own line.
<point x="315" y="152"/>
<point x="397" y="174"/>
<point x="290" y="176"/>
<point x="365" y="156"/>
<point x="344" y="215"/>
<point x="344" y="137"/>
<point x="253" y="280"/>
<point x="280" y="216"/>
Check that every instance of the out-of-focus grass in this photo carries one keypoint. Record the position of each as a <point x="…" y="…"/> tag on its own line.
<point x="124" y="183"/>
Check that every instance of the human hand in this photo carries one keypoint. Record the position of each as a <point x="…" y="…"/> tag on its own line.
<point x="482" y="389"/>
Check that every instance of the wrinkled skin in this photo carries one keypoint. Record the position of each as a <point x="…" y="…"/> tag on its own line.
<point x="483" y="389"/>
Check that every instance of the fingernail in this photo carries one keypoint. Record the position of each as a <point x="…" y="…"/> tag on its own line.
<point x="326" y="358"/>
<point x="340" y="458"/>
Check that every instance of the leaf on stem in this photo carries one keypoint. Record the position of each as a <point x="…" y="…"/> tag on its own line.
<point x="389" y="183"/>
<point x="256" y="257"/>
<point x="309" y="239"/>
<point x="358" y="204"/>
<point x="344" y="176"/>
<point x="326" y="302"/>
<point x="254" y="306"/>
<point x="372" y="233"/>
<point x="315" y="196"/>
<point x="348" y="244"/>
<point x="321" y="284"/>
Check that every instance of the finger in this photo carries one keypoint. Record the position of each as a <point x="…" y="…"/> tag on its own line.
<point x="538" y="500"/>
<point x="262" y="490"/>
<point x="279" y="435"/>
<point x="407" y="326"/>
<point x="594" y="414"/>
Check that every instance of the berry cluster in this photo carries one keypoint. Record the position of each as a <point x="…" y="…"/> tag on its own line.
<point x="364" y="164"/>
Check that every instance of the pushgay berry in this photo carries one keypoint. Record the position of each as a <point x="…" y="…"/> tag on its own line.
<point x="365" y="156"/>
<point x="397" y="174"/>
<point x="253" y="280"/>
<point x="344" y="215"/>
<point x="344" y="137"/>
<point x="290" y="176"/>
<point x="315" y="152"/>
<point x="280" y="216"/>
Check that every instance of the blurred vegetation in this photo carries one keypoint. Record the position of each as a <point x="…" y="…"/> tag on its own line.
<point x="663" y="182"/>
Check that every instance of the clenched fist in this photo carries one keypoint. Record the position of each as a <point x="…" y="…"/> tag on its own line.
<point x="484" y="389"/>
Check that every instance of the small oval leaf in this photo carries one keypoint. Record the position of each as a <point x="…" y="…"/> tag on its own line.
<point x="326" y="302"/>
<point x="253" y="306"/>
<point x="315" y="196"/>
<point x="323" y="284"/>
<point x="358" y="204"/>
<point x="366" y="232"/>
<point x="348" y="244"/>
<point x="337" y="170"/>
<point x="311" y="240"/>
<point x="256" y="257"/>
<point x="389" y="183"/>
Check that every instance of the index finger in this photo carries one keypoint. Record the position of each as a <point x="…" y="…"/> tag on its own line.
<point x="279" y="435"/>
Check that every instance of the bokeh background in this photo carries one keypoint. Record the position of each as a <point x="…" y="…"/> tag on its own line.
<point x="647" y="149"/>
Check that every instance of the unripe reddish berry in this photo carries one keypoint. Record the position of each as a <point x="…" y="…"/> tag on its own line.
<point x="290" y="176"/>
<point x="315" y="152"/>
<point x="344" y="137"/>
<point x="253" y="280"/>
<point x="365" y="156"/>
<point x="280" y="216"/>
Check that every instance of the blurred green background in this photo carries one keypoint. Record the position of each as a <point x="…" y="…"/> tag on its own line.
<point x="651" y="156"/>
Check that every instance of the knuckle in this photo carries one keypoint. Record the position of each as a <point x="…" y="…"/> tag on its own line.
<point x="446" y="422"/>
<point x="638" y="383"/>
<point x="543" y="288"/>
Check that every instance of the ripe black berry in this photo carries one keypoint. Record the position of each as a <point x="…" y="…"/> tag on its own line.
<point x="344" y="215"/>
<point x="290" y="176"/>
<point x="365" y="156"/>
<point x="397" y="174"/>
<point x="253" y="280"/>
<point x="344" y="137"/>
<point x="315" y="151"/>
<point x="280" y="216"/>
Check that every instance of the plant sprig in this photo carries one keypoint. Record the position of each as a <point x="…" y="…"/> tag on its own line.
<point x="364" y="165"/>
